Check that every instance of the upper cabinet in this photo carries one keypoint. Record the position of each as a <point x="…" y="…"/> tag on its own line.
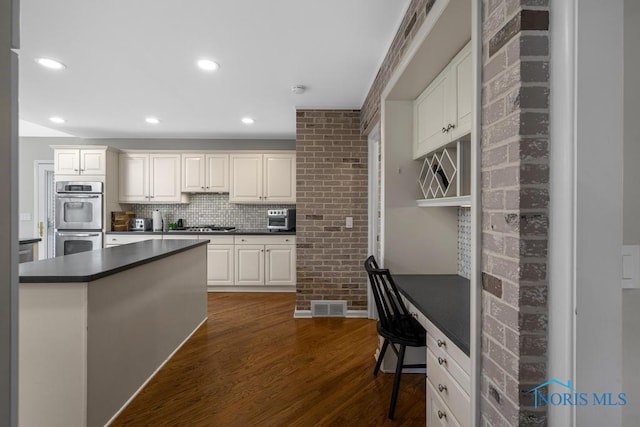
<point x="80" y="161"/>
<point x="263" y="177"/>
<point x="442" y="113"/>
<point x="150" y="178"/>
<point x="205" y="173"/>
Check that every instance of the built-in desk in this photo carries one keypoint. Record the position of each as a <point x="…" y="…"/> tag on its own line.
<point x="441" y="305"/>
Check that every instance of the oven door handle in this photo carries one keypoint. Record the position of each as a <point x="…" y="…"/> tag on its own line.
<point x="77" y="196"/>
<point x="79" y="234"/>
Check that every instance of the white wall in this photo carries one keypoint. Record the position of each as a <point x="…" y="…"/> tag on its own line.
<point x="631" y="122"/>
<point x="8" y="213"/>
<point x="631" y="210"/>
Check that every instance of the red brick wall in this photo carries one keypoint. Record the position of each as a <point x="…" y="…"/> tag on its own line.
<point x="331" y="157"/>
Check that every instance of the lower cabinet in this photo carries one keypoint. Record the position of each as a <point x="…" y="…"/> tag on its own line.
<point x="220" y="264"/>
<point x="265" y="261"/>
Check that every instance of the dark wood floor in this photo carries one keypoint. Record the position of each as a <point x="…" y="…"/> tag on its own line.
<point x="252" y="364"/>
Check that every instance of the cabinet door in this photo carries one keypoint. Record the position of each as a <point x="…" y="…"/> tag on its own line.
<point x="193" y="173"/>
<point x="220" y="265"/>
<point x="67" y="161"/>
<point x="217" y="173"/>
<point x="93" y="162"/>
<point x="280" y="265"/>
<point x="461" y="77"/>
<point x="430" y="117"/>
<point x="134" y="177"/>
<point x="164" y="177"/>
<point x="246" y="178"/>
<point x="249" y="265"/>
<point x="280" y="178"/>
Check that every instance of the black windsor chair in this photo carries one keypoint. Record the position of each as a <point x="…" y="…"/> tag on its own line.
<point x="395" y="324"/>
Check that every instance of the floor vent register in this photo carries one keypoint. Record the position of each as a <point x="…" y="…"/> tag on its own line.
<point x="325" y="308"/>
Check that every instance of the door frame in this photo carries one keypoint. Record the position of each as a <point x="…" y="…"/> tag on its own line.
<point x="374" y="192"/>
<point x="39" y="201"/>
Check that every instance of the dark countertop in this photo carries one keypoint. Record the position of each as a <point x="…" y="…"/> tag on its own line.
<point x="243" y="232"/>
<point x="26" y="241"/>
<point x="92" y="265"/>
<point x="444" y="300"/>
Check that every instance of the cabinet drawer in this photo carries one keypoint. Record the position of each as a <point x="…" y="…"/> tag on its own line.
<point x="180" y="236"/>
<point x="265" y="240"/>
<point x="438" y="413"/>
<point x="417" y="314"/>
<point x="448" y="389"/>
<point x="123" y="239"/>
<point x="216" y="239"/>
<point x="450" y="365"/>
<point x="437" y="339"/>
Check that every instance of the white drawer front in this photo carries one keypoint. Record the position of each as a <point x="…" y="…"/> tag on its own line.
<point x="265" y="240"/>
<point x="449" y="391"/>
<point x="216" y="239"/>
<point x="415" y="312"/>
<point x="438" y="413"/>
<point x="435" y="338"/>
<point x="180" y="237"/>
<point x="123" y="239"/>
<point x="450" y="365"/>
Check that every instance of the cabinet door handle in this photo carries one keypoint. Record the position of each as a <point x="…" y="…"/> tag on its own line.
<point x="268" y="250"/>
<point x="202" y="188"/>
<point x="441" y="343"/>
<point x="441" y="414"/>
<point x="242" y="240"/>
<point x="444" y="130"/>
<point x="442" y="361"/>
<point x="75" y="170"/>
<point x="286" y="240"/>
<point x="442" y="388"/>
<point x="261" y="250"/>
<point x="451" y="126"/>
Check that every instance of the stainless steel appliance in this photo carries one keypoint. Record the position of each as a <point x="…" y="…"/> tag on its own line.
<point x="72" y="242"/>
<point x="79" y="221"/>
<point x="78" y="205"/>
<point x="140" y="224"/>
<point x="281" y="219"/>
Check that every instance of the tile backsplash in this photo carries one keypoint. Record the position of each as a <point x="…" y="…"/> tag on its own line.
<point x="210" y="209"/>
<point x="464" y="242"/>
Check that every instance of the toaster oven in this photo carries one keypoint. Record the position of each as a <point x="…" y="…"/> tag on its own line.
<point x="281" y="219"/>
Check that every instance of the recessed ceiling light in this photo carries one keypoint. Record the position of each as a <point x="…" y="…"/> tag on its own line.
<point x="56" y="119"/>
<point x="51" y="63"/>
<point x="247" y="120"/>
<point x="208" y="65"/>
<point x="152" y="120"/>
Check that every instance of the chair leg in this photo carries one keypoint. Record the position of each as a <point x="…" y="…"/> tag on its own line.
<point x="385" y="344"/>
<point x="396" y="382"/>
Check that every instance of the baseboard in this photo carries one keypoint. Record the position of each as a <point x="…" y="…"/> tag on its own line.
<point x="153" y="374"/>
<point x="351" y="314"/>
<point x="252" y="289"/>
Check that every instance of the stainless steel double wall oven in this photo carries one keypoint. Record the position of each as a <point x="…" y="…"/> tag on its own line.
<point x="79" y="207"/>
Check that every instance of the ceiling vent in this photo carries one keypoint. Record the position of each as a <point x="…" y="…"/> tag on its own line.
<point x="328" y="308"/>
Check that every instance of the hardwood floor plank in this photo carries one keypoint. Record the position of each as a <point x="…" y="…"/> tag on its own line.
<point x="252" y="364"/>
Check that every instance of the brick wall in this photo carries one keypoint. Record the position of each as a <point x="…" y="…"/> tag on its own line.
<point x="331" y="158"/>
<point x="413" y="19"/>
<point x="515" y="174"/>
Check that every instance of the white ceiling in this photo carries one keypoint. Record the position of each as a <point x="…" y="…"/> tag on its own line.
<point x="127" y="60"/>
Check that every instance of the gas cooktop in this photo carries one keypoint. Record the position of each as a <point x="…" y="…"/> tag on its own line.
<point x="208" y="228"/>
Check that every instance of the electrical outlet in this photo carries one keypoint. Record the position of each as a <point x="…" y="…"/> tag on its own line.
<point x="25" y="216"/>
<point x="349" y="222"/>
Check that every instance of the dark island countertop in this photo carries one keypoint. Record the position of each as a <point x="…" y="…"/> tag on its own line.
<point x="444" y="300"/>
<point x="92" y="265"/>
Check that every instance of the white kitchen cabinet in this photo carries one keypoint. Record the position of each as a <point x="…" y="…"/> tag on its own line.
<point x="262" y="177"/>
<point x="265" y="261"/>
<point x="150" y="178"/>
<point x="220" y="265"/>
<point x="80" y="161"/>
<point x="205" y="173"/>
<point x="442" y="113"/>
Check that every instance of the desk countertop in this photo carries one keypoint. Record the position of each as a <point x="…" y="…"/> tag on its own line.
<point x="444" y="300"/>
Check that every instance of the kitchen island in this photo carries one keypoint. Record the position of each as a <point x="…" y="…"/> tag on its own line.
<point x="95" y="326"/>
